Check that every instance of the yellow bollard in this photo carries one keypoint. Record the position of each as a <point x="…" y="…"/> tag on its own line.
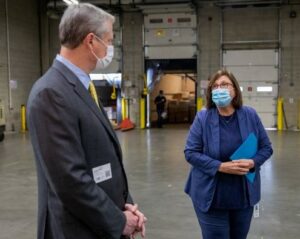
<point x="199" y="103"/>
<point x="23" y="119"/>
<point x="142" y="112"/>
<point x="299" y="114"/>
<point x="280" y="113"/>
<point x="113" y="95"/>
<point x="124" y="109"/>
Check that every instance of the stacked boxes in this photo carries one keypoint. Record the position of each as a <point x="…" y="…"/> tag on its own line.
<point x="180" y="110"/>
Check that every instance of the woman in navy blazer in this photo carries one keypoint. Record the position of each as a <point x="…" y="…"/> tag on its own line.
<point x="223" y="197"/>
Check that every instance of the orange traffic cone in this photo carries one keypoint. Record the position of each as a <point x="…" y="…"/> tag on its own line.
<point x="126" y="124"/>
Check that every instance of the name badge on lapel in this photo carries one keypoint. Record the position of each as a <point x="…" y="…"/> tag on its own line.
<point x="102" y="173"/>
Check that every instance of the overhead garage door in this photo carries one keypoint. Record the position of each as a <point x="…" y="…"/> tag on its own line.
<point x="257" y="74"/>
<point x="170" y="35"/>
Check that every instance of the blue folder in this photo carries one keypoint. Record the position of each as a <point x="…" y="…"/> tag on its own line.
<point x="247" y="150"/>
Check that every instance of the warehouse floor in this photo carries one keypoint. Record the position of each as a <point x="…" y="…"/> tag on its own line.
<point x="157" y="172"/>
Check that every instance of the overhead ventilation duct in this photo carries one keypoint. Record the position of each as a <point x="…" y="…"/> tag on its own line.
<point x="245" y="3"/>
<point x="163" y="7"/>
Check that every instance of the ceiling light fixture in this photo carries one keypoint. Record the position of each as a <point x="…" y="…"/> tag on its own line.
<point x="70" y="2"/>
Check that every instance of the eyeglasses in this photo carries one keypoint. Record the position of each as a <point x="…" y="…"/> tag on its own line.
<point x="223" y="85"/>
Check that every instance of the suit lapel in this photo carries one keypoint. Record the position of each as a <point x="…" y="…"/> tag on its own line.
<point x="243" y="129"/>
<point x="87" y="99"/>
<point x="100" y="113"/>
<point x="215" y="129"/>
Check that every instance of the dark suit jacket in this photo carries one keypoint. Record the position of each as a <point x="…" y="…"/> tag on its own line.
<point x="71" y="136"/>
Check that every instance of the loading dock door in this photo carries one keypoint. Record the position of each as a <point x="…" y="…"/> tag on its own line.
<point x="170" y="35"/>
<point x="257" y="74"/>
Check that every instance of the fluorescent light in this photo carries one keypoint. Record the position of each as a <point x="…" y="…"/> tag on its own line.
<point x="271" y="129"/>
<point x="264" y="89"/>
<point x="97" y="77"/>
<point x="110" y="77"/>
<point x="67" y="2"/>
<point x="241" y="87"/>
<point x="70" y="2"/>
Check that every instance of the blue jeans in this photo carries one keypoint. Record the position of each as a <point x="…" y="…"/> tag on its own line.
<point x="225" y="224"/>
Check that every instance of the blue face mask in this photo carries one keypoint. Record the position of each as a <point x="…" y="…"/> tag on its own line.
<point x="221" y="97"/>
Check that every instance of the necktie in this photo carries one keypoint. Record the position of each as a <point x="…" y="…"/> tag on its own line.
<point x="93" y="93"/>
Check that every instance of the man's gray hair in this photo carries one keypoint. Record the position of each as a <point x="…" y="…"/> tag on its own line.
<point x="81" y="19"/>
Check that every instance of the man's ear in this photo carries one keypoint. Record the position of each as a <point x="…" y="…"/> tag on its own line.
<point x="88" y="40"/>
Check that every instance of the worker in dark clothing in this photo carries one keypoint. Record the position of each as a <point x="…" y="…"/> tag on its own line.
<point x="160" y="102"/>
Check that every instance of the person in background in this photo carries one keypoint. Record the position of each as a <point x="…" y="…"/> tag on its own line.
<point x="82" y="186"/>
<point x="160" y="102"/>
<point x="222" y="196"/>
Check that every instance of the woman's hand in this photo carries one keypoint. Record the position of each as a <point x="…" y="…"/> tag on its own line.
<point x="248" y="163"/>
<point x="237" y="167"/>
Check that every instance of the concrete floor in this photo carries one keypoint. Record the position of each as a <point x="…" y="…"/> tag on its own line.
<point x="157" y="172"/>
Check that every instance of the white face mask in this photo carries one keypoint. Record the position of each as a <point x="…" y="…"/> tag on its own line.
<point x="107" y="59"/>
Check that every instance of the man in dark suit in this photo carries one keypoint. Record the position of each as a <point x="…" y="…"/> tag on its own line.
<point x="82" y="185"/>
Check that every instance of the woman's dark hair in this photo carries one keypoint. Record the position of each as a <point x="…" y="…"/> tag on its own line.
<point x="237" y="101"/>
